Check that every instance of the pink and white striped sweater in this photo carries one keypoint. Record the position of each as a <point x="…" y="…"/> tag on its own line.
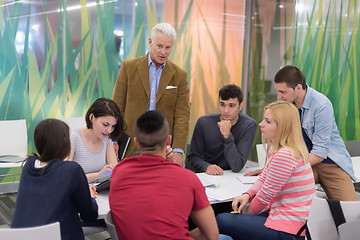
<point x="286" y="187"/>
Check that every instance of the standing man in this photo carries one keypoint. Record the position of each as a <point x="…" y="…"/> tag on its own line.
<point x="151" y="197"/>
<point x="223" y="141"/>
<point x="153" y="82"/>
<point x="331" y="162"/>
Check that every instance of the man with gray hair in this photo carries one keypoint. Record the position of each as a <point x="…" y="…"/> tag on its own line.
<point x="152" y="82"/>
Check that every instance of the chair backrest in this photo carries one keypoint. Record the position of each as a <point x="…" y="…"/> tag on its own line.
<point x="91" y="230"/>
<point x="14" y="138"/>
<point x="321" y="223"/>
<point x="353" y="147"/>
<point x="46" y="232"/>
<point x="261" y="154"/>
<point x="187" y="152"/>
<point x="75" y="122"/>
<point x="350" y="230"/>
<point x="110" y="226"/>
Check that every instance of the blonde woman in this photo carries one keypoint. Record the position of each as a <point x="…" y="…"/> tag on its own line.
<point x="279" y="201"/>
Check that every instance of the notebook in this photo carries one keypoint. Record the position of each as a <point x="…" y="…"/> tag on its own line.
<point x="105" y="185"/>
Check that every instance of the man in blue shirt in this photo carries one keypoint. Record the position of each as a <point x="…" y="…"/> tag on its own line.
<point x="331" y="162"/>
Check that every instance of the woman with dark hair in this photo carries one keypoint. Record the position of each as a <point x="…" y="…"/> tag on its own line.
<point x="92" y="147"/>
<point x="52" y="190"/>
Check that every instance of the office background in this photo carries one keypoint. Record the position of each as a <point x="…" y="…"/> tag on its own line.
<point x="57" y="57"/>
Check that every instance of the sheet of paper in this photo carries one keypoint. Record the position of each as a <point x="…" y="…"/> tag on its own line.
<point x="248" y="179"/>
<point x="208" y="181"/>
<point x="219" y="194"/>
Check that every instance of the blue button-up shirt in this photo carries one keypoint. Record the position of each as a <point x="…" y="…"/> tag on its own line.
<point x="318" y="121"/>
<point x="154" y="79"/>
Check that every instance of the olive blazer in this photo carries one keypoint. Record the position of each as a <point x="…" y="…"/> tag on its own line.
<point x="132" y="95"/>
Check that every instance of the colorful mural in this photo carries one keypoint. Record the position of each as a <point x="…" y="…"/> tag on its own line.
<point x="210" y="48"/>
<point x="322" y="39"/>
<point x="327" y="49"/>
<point x="57" y="57"/>
<point x="50" y="68"/>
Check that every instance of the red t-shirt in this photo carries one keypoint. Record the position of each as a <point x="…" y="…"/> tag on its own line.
<point x="152" y="198"/>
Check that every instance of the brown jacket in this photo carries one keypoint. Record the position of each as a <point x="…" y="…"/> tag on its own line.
<point x="132" y="95"/>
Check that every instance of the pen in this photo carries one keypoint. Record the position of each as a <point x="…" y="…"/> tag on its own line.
<point x="234" y="212"/>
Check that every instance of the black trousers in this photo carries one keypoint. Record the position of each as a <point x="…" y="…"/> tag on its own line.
<point x="218" y="208"/>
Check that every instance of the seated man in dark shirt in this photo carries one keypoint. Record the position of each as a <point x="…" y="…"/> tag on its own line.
<point x="223" y="141"/>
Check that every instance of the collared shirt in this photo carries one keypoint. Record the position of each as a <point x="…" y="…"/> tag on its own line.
<point x="154" y="79"/>
<point x="309" y="143"/>
<point x="319" y="124"/>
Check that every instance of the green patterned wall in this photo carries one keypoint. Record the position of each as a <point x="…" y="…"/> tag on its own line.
<point x="322" y="38"/>
<point x="57" y="57"/>
<point x="327" y="49"/>
<point x="48" y="72"/>
<point x="55" y="60"/>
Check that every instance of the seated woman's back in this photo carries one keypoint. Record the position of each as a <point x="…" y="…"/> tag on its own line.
<point x="53" y="190"/>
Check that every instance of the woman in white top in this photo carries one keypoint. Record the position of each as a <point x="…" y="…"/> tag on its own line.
<point x="92" y="147"/>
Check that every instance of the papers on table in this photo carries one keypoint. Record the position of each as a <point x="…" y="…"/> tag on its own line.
<point x="219" y="194"/>
<point x="248" y="179"/>
<point x="208" y="181"/>
<point x="222" y="188"/>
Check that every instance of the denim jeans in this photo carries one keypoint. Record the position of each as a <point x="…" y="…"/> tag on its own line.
<point x="249" y="227"/>
<point x="224" y="237"/>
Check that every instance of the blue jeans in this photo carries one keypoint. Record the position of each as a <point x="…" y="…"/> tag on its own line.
<point x="249" y="227"/>
<point x="224" y="237"/>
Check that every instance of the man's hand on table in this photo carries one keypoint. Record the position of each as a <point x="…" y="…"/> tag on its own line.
<point x="214" y="170"/>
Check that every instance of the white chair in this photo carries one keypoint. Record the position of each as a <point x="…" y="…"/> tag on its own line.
<point x="350" y="230"/>
<point x="13" y="152"/>
<point x="321" y="223"/>
<point x="261" y="154"/>
<point x="110" y="226"/>
<point x="14" y="141"/>
<point x="74" y="122"/>
<point x="353" y="147"/>
<point x="46" y="232"/>
<point x="90" y="230"/>
<point x="251" y="164"/>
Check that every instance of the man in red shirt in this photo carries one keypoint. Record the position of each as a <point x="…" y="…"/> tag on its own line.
<point x="151" y="197"/>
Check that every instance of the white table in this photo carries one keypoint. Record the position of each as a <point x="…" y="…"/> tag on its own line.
<point x="227" y="187"/>
<point x="103" y="203"/>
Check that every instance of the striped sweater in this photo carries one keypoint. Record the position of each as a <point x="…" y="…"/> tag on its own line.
<point x="285" y="187"/>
